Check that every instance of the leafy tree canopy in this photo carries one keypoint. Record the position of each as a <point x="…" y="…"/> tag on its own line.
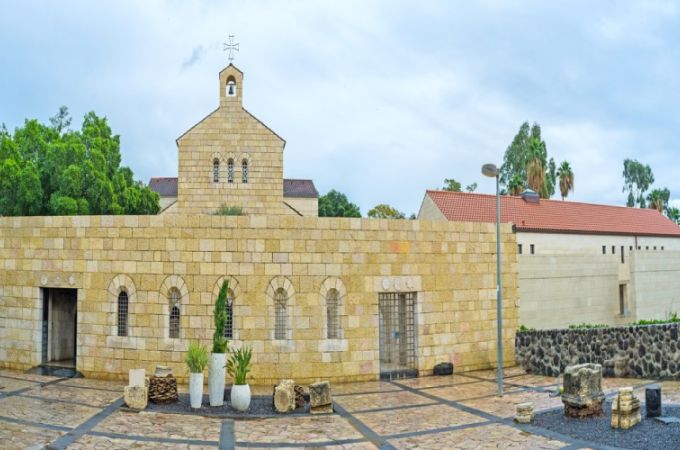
<point x="637" y="178"/>
<point x="526" y="160"/>
<point x="384" y="211"/>
<point x="52" y="170"/>
<point x="335" y="204"/>
<point x="451" y="185"/>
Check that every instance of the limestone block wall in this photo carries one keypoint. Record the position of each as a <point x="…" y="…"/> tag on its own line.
<point x="176" y="258"/>
<point x="649" y="351"/>
<point x="305" y="206"/>
<point x="560" y="290"/>
<point x="655" y="284"/>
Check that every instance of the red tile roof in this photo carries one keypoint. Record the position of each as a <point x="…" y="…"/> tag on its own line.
<point x="164" y="186"/>
<point x="554" y="216"/>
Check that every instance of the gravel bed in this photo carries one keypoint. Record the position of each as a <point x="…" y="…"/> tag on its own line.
<point x="260" y="406"/>
<point x="649" y="434"/>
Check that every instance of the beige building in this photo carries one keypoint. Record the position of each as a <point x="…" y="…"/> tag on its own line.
<point x="316" y="298"/>
<point x="580" y="262"/>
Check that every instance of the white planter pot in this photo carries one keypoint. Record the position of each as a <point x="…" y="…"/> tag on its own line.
<point x="240" y="397"/>
<point x="196" y="389"/>
<point x="216" y="372"/>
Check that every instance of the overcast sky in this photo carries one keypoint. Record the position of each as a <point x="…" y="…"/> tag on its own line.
<point x="377" y="99"/>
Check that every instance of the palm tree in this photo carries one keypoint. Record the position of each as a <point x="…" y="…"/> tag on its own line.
<point x="535" y="166"/>
<point x="566" y="176"/>
<point x="658" y="199"/>
<point x="516" y="185"/>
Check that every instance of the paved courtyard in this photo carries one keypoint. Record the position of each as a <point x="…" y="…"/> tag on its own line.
<point x="459" y="411"/>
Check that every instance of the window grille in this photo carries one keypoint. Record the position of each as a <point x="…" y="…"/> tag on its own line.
<point x="229" y="325"/>
<point x="216" y="171"/>
<point x="123" y="314"/>
<point x="174" y="313"/>
<point x="519" y="248"/>
<point x="230" y="171"/>
<point x="397" y="330"/>
<point x="332" y="316"/>
<point x="244" y="166"/>
<point x="281" y="314"/>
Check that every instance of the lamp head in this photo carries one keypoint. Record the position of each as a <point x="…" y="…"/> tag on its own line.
<point x="490" y="170"/>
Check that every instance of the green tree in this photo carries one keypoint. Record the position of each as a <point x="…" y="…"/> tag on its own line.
<point x="335" y="204"/>
<point x="637" y="178"/>
<point x="471" y="187"/>
<point x="566" y="176"/>
<point x="52" y="170"/>
<point x="673" y="213"/>
<point x="384" y="211"/>
<point x="658" y="199"/>
<point x="451" y="185"/>
<point x="526" y="158"/>
<point x="515" y="185"/>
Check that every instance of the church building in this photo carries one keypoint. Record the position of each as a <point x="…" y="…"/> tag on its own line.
<point x="342" y="299"/>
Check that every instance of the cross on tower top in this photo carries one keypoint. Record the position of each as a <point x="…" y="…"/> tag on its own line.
<point x="230" y="47"/>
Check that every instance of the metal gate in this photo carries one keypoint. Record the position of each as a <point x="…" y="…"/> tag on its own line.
<point x="397" y="335"/>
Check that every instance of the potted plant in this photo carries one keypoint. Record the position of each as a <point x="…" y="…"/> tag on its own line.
<point x="196" y="359"/>
<point x="219" y="350"/>
<point x="238" y="368"/>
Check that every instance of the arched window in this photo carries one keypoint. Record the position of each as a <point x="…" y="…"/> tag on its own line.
<point x="216" y="170"/>
<point x="332" y="316"/>
<point x="244" y="168"/>
<point x="281" y="313"/>
<point x="229" y="325"/>
<point x="174" y="313"/>
<point x="122" y="314"/>
<point x="230" y="170"/>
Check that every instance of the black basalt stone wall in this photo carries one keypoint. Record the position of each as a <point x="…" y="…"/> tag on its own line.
<point x="646" y="351"/>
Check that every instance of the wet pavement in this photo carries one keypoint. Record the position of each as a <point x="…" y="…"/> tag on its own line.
<point x="460" y="411"/>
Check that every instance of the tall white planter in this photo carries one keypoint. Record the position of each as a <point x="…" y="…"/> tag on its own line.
<point x="240" y="397"/>
<point x="216" y="372"/>
<point x="196" y="389"/>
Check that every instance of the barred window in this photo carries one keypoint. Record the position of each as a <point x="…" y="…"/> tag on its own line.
<point x="244" y="166"/>
<point x="216" y="170"/>
<point x="230" y="171"/>
<point x="332" y="316"/>
<point x="174" y="313"/>
<point x="229" y="325"/>
<point x="280" y="307"/>
<point x="123" y="314"/>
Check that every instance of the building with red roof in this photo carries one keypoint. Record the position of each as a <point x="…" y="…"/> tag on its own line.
<point x="579" y="262"/>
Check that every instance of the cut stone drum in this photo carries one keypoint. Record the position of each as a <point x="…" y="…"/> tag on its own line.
<point x="625" y="409"/>
<point x="653" y="400"/>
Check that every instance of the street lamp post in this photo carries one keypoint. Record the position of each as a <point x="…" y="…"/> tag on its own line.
<point x="490" y="170"/>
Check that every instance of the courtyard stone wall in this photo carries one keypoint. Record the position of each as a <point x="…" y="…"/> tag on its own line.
<point x="647" y="351"/>
<point x="451" y="267"/>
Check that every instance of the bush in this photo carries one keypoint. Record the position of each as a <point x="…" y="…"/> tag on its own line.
<point x="220" y="317"/>
<point x="673" y="318"/>
<point x="238" y="365"/>
<point x="585" y="326"/>
<point x="525" y="328"/>
<point x="225" y="210"/>
<point x="197" y="357"/>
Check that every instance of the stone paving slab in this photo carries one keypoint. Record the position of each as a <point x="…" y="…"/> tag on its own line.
<point x="326" y="428"/>
<point x="438" y="381"/>
<point x="41" y="411"/>
<point x="15" y="436"/>
<point x="610" y="385"/>
<point x="118" y="386"/>
<point x="93" y="397"/>
<point x="533" y="380"/>
<point x="415" y="419"/>
<point x="493" y="436"/>
<point x="172" y="426"/>
<point x="27" y="376"/>
<point x="468" y="391"/>
<point x="359" y="402"/>
<point x="670" y="392"/>
<point x="101" y="442"/>
<point x="490" y="374"/>
<point x="362" y="387"/>
<point x="11" y="384"/>
<point x="505" y="406"/>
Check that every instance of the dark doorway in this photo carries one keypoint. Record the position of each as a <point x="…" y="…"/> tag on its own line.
<point x="397" y="335"/>
<point x="60" y="318"/>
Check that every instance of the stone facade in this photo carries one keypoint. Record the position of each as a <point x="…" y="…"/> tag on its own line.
<point x="230" y="135"/>
<point x="168" y="260"/>
<point x="650" y="351"/>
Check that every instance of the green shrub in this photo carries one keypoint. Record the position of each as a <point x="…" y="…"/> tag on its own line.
<point x="220" y="343"/>
<point x="225" y="210"/>
<point x="197" y="357"/>
<point x="525" y="328"/>
<point x="672" y="318"/>
<point x="583" y="326"/>
<point x="238" y="365"/>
